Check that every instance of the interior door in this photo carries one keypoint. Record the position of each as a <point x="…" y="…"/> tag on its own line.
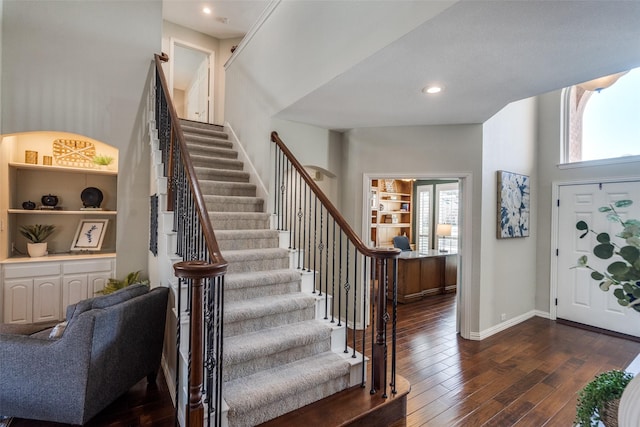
<point x="198" y="93"/>
<point x="579" y="297"/>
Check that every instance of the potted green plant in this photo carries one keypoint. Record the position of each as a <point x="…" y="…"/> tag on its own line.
<point x="623" y="274"/>
<point x="116" y="284"/>
<point x="37" y="234"/>
<point x="599" y="399"/>
<point x="102" y="160"/>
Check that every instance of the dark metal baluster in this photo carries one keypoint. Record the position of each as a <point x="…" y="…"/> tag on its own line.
<point x="326" y="276"/>
<point x="287" y="197"/>
<point x="375" y="282"/>
<point x="292" y="198"/>
<point x="300" y="215"/>
<point x="340" y="281"/>
<point x="309" y="228"/>
<point x="321" y="249"/>
<point x="275" y="182"/>
<point x="220" y="344"/>
<point x="304" y="227"/>
<point x="347" y="287"/>
<point x="333" y="273"/>
<point x="178" y="327"/>
<point x="315" y="246"/>
<point x="294" y="211"/>
<point x="355" y="300"/>
<point x="394" y="325"/>
<point x="365" y="286"/>
<point x="283" y="187"/>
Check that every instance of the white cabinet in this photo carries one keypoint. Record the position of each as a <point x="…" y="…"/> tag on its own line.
<point x="18" y="301"/>
<point x="41" y="291"/>
<point x="32" y="300"/>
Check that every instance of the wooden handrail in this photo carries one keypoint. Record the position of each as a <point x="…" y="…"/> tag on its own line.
<point x="378" y="253"/>
<point x="207" y="228"/>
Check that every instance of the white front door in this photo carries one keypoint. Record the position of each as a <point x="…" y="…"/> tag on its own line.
<point x="579" y="297"/>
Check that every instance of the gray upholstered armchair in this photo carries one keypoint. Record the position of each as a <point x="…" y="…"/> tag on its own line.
<point x="110" y="343"/>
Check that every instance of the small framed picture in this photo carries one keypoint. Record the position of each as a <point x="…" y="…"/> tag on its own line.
<point x="89" y="235"/>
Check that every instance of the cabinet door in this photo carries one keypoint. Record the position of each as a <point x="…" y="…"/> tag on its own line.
<point x="18" y="297"/>
<point x="74" y="289"/>
<point x="46" y="299"/>
<point x="97" y="282"/>
<point x="432" y="274"/>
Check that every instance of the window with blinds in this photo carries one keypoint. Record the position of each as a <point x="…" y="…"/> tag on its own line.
<point x="424" y="217"/>
<point x="447" y="211"/>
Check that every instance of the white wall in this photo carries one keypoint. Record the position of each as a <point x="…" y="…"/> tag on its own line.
<point x="221" y="73"/>
<point x="83" y="67"/>
<point x="1" y="19"/>
<point x="316" y="148"/>
<point x="508" y="279"/>
<point x="549" y="143"/>
<point x="300" y="47"/>
<point x="418" y="151"/>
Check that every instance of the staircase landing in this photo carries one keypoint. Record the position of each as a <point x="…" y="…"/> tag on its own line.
<point x="354" y="407"/>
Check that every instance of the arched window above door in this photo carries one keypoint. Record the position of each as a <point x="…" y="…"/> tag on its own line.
<point x="603" y="122"/>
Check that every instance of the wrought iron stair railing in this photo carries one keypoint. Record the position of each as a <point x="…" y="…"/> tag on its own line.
<point x="343" y="267"/>
<point x="202" y="266"/>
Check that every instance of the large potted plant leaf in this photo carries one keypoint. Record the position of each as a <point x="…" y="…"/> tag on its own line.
<point x="623" y="273"/>
<point x="37" y="234"/>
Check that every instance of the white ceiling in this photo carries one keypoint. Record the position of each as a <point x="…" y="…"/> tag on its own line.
<point x="240" y="15"/>
<point x="485" y="53"/>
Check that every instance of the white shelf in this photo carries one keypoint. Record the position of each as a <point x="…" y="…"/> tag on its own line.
<point x="59" y="257"/>
<point x="394" y="212"/>
<point x="400" y="224"/>
<point x="59" y="212"/>
<point x="28" y="166"/>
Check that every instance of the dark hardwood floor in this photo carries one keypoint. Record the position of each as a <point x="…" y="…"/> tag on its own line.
<point x="528" y="375"/>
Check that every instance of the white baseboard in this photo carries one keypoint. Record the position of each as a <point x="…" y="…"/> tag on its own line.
<point x="479" y="336"/>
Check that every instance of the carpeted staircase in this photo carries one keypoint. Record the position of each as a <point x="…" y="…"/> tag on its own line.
<point x="277" y="356"/>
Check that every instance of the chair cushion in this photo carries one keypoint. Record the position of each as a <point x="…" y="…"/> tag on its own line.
<point x="23" y="329"/>
<point x="104" y="301"/>
<point x="120" y="295"/>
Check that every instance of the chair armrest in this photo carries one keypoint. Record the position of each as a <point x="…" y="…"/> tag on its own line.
<point x="37" y="370"/>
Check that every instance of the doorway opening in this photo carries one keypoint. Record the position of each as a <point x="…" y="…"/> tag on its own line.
<point x="434" y="213"/>
<point x="191" y="71"/>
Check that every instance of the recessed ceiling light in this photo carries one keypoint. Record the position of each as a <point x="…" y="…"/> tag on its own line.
<point x="206" y="10"/>
<point x="433" y="89"/>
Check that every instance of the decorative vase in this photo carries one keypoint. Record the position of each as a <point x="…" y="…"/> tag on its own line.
<point x="629" y="410"/>
<point x="37" y="249"/>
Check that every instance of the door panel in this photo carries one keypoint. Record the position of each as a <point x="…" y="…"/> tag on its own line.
<point x="579" y="296"/>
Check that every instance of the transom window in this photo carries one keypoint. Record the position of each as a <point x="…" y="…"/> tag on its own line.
<point x="603" y="123"/>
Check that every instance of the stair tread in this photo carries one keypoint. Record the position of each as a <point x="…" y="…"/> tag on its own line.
<point x="275" y="384"/>
<point x="260" y="278"/>
<point x="243" y="215"/>
<point x="212" y="150"/>
<point x="254" y="254"/>
<point x="246" y="234"/>
<point x="227" y="183"/>
<point x="197" y="157"/>
<point x="355" y="405"/>
<point x="260" y="307"/>
<point x="241" y="348"/>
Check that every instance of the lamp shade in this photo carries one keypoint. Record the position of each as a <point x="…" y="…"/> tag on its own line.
<point x="443" y="230"/>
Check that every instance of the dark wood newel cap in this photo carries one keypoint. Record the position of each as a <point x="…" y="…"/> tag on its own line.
<point x="198" y="269"/>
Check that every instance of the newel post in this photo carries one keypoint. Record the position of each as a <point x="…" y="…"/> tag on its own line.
<point x="197" y="272"/>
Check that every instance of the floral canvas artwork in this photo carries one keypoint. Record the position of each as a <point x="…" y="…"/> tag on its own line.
<point x="513" y="205"/>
